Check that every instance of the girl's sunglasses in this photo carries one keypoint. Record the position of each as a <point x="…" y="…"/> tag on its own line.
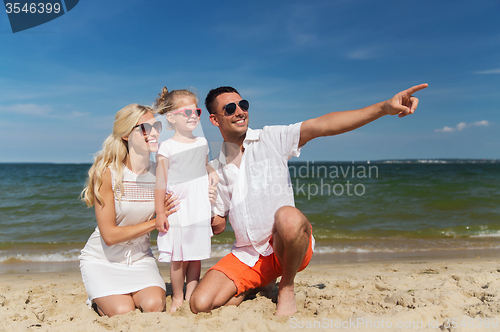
<point x="231" y="107"/>
<point x="146" y="127"/>
<point x="187" y="112"/>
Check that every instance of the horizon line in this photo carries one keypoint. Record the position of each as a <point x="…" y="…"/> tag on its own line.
<point x="421" y="160"/>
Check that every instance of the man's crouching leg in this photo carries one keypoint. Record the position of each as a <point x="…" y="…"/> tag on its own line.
<point x="291" y="235"/>
<point x="214" y="290"/>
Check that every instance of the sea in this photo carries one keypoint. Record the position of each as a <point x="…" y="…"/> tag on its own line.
<point x="357" y="209"/>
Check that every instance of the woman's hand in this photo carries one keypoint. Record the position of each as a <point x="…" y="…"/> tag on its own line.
<point x="171" y="204"/>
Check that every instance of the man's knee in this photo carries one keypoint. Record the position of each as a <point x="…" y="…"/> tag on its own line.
<point x="213" y="291"/>
<point x="200" y="302"/>
<point x="289" y="220"/>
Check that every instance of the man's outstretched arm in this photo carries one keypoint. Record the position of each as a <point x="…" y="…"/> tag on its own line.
<point x="340" y="122"/>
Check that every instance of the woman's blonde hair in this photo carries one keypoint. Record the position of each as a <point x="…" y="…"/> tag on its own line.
<point x="167" y="101"/>
<point x="113" y="153"/>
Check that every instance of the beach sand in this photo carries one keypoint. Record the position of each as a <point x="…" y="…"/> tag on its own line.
<point x="421" y="293"/>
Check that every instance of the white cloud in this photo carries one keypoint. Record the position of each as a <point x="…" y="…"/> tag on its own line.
<point x="488" y="72"/>
<point x="363" y="53"/>
<point x="27" y="109"/>
<point x="76" y="114"/>
<point x="41" y="111"/>
<point x="446" y="130"/>
<point x="463" y="125"/>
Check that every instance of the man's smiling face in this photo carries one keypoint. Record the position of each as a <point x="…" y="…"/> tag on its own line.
<point x="230" y="126"/>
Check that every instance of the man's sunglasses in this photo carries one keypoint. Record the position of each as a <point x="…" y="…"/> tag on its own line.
<point x="231" y="107"/>
<point x="187" y="112"/>
<point x="146" y="127"/>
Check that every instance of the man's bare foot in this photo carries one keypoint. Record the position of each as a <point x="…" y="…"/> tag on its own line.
<point x="286" y="302"/>
<point x="176" y="303"/>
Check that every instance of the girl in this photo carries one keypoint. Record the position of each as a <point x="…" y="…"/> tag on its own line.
<point x="118" y="269"/>
<point x="182" y="166"/>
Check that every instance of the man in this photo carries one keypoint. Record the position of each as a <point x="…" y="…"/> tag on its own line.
<point x="273" y="238"/>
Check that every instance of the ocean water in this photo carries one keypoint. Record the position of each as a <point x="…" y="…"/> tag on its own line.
<point x="401" y="206"/>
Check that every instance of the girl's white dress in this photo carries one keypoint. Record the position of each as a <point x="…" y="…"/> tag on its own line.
<point x="188" y="237"/>
<point x="130" y="266"/>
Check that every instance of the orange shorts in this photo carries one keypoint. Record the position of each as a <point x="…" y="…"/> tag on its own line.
<point x="262" y="273"/>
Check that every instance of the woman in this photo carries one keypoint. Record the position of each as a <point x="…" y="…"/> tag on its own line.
<point x="117" y="265"/>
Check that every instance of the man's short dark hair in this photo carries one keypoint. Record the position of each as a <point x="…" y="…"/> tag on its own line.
<point x="214" y="93"/>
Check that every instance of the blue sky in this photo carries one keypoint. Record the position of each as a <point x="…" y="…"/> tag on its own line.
<point x="62" y="82"/>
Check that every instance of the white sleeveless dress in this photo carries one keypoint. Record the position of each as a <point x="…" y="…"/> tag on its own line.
<point x="189" y="235"/>
<point x="130" y="266"/>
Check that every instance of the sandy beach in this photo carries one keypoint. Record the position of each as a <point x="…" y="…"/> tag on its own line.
<point x="442" y="291"/>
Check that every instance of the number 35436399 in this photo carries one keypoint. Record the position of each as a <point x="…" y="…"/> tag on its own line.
<point x="33" y="8"/>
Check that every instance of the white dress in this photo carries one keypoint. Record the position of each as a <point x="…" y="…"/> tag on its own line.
<point x="130" y="266"/>
<point x="188" y="237"/>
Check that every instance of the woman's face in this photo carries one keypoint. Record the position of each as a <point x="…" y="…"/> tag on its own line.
<point x="144" y="137"/>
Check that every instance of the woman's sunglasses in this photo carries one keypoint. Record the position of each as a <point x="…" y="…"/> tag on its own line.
<point x="187" y="112"/>
<point x="231" y="107"/>
<point x="146" y="127"/>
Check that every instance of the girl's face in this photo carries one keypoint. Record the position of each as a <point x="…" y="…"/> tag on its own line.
<point x="144" y="137"/>
<point x="179" y="119"/>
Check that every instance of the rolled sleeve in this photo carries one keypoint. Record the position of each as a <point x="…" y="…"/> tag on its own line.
<point x="284" y="138"/>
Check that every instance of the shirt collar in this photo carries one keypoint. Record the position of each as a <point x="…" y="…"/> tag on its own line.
<point x="252" y="135"/>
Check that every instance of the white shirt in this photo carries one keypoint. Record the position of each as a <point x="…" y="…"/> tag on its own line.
<point x="254" y="192"/>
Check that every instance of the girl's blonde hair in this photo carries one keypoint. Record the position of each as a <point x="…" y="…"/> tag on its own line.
<point x="113" y="153"/>
<point x="167" y="101"/>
